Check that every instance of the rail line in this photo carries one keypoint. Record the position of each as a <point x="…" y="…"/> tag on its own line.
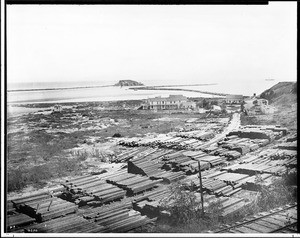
<point x="279" y="220"/>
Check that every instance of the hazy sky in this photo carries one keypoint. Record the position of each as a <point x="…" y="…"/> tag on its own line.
<point x="165" y="43"/>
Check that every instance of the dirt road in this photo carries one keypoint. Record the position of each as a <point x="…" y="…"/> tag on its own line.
<point x="233" y="125"/>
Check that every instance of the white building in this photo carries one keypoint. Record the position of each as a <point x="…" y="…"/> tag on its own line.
<point x="169" y="103"/>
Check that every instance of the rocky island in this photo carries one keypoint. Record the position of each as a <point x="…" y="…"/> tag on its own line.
<point x="128" y="83"/>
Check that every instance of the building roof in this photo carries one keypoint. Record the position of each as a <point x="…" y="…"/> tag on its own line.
<point x="234" y="97"/>
<point x="170" y="98"/>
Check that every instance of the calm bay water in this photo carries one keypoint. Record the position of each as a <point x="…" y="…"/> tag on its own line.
<point x="124" y="93"/>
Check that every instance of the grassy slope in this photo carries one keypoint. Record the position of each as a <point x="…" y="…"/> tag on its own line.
<point x="283" y="96"/>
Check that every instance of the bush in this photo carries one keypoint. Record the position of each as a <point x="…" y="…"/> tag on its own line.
<point x="37" y="175"/>
<point x="184" y="207"/>
<point x="15" y="180"/>
<point x="275" y="195"/>
<point x="117" y="135"/>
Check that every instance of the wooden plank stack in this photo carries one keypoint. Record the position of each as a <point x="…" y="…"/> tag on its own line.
<point x="18" y="220"/>
<point x="134" y="183"/>
<point x="44" y="208"/>
<point x="85" y="189"/>
<point x="119" y="217"/>
<point x="67" y="224"/>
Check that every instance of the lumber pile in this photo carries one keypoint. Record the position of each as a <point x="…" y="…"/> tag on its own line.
<point x="197" y="134"/>
<point x="67" y="224"/>
<point x="44" y="208"/>
<point x="18" y="220"/>
<point x="168" y="176"/>
<point x="288" y="145"/>
<point x="163" y="141"/>
<point x="147" y="164"/>
<point x="292" y="137"/>
<point x="86" y="189"/>
<point x="254" y="168"/>
<point x="134" y="183"/>
<point x="187" y="161"/>
<point x="127" y="154"/>
<point x="254" y="133"/>
<point x="118" y="217"/>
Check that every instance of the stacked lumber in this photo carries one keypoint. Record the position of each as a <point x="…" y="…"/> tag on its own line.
<point x="18" y="220"/>
<point x="278" y="131"/>
<point x="147" y="164"/>
<point x="288" y="145"/>
<point x="197" y="134"/>
<point x="187" y="161"/>
<point x="212" y="160"/>
<point x="232" y="205"/>
<point x="231" y="155"/>
<point x="254" y="133"/>
<point x="173" y="160"/>
<point x="284" y="154"/>
<point x="212" y="186"/>
<point x="152" y="208"/>
<point x="86" y="189"/>
<point x="231" y="178"/>
<point x="67" y="224"/>
<point x="44" y="208"/>
<point x="254" y="168"/>
<point x="292" y="137"/>
<point x="118" y="217"/>
<point x="255" y="182"/>
<point x="163" y="141"/>
<point x="134" y="183"/>
<point x="168" y="176"/>
<point x="127" y="155"/>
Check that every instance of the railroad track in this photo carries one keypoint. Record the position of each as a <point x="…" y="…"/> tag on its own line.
<point x="279" y="220"/>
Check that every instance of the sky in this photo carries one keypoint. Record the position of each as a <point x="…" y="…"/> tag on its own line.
<point x="151" y="43"/>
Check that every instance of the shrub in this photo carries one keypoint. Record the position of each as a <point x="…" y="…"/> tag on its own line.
<point x="15" y="180"/>
<point x="117" y="135"/>
<point x="277" y="194"/>
<point x="81" y="155"/>
<point x="184" y="207"/>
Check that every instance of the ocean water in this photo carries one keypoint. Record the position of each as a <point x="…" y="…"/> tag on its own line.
<point x="124" y="93"/>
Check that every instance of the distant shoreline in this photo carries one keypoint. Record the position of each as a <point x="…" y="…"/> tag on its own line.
<point x="101" y="86"/>
<point x="49" y="89"/>
<point x="175" y="89"/>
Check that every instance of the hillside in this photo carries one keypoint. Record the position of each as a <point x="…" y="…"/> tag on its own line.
<point x="284" y="97"/>
<point x="281" y="94"/>
<point x="128" y="83"/>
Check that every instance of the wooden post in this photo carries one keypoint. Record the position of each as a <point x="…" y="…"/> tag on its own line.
<point x="37" y="207"/>
<point x="201" y="191"/>
<point x="49" y="205"/>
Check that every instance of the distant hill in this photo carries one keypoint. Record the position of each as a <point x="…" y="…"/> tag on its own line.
<point x="128" y="83"/>
<point x="281" y="94"/>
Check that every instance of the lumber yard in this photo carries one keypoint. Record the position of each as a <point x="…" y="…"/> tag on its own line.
<point x="131" y="197"/>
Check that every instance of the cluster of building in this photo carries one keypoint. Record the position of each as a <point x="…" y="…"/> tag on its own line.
<point x="255" y="105"/>
<point x="251" y="105"/>
<point x="172" y="102"/>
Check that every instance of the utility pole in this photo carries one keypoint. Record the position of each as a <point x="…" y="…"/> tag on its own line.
<point x="201" y="191"/>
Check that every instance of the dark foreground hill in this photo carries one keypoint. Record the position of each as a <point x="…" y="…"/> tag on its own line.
<point x="281" y="94"/>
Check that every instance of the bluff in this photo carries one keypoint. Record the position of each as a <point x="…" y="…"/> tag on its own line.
<point x="281" y="94"/>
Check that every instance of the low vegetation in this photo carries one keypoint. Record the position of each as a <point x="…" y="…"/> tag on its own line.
<point x="183" y="207"/>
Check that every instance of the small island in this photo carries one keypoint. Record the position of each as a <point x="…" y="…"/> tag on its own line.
<point x="128" y="83"/>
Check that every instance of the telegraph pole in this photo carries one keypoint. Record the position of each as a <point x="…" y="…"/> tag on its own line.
<point x="201" y="191"/>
